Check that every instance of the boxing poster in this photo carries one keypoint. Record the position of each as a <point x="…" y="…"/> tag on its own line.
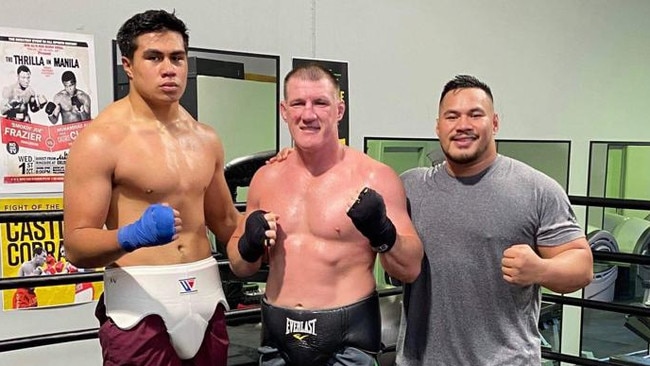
<point x="340" y="71"/>
<point x="36" y="248"/>
<point x="48" y="85"/>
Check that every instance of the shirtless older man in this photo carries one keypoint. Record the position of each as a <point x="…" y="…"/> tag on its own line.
<point x="142" y="182"/>
<point x="321" y="216"/>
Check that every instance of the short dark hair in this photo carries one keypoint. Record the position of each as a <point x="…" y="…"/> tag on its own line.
<point x="465" y="82"/>
<point x="23" y="68"/>
<point x="38" y="251"/>
<point x="149" y="21"/>
<point x="68" y="76"/>
<point x="312" y="71"/>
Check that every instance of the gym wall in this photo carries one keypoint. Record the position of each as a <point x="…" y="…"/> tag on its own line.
<point x="564" y="70"/>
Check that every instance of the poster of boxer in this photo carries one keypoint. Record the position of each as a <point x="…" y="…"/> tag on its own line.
<point x="36" y="248"/>
<point x="48" y="85"/>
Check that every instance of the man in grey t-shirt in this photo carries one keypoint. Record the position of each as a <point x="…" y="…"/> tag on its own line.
<point x="494" y="230"/>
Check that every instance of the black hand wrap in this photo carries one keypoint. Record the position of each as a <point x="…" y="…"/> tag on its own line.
<point x="368" y="215"/>
<point x="251" y="244"/>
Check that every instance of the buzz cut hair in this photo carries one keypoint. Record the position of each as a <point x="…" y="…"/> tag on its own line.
<point x="465" y="82"/>
<point x="312" y="71"/>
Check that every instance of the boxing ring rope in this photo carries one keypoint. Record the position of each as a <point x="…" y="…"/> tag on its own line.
<point x="16" y="216"/>
<point x="51" y="280"/>
<point x="80" y="277"/>
<point x="597" y="305"/>
<point x="618" y="203"/>
<point x="47" y="339"/>
<point x="254" y="313"/>
<point x="610" y="202"/>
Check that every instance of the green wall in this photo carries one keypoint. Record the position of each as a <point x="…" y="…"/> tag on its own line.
<point x="242" y="111"/>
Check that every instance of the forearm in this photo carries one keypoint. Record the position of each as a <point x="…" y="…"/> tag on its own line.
<point x="239" y="266"/>
<point x="568" y="271"/>
<point x="53" y="118"/>
<point x="404" y="260"/>
<point x="224" y="230"/>
<point x="84" y="112"/>
<point x="91" y="247"/>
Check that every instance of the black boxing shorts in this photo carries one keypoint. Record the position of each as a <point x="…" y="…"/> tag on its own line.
<point x="312" y="337"/>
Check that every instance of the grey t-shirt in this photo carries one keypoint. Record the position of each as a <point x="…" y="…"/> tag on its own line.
<point x="460" y="310"/>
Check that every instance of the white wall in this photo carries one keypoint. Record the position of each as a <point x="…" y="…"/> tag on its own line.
<point x="559" y="69"/>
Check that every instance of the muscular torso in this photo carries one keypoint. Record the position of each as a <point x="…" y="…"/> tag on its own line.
<point x="172" y="164"/>
<point x="320" y="260"/>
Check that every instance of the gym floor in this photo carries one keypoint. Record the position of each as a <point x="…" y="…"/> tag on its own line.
<point x="244" y="340"/>
<point x="605" y="335"/>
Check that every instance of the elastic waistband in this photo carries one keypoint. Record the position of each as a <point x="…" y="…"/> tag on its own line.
<point x="166" y="269"/>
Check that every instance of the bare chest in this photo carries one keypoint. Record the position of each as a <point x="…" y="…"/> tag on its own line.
<point x="316" y="207"/>
<point x="66" y="104"/>
<point x="159" y="168"/>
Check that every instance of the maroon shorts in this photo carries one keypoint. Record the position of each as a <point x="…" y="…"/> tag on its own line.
<point x="148" y="344"/>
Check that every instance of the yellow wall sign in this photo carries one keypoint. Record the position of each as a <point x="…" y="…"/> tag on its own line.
<point x="36" y="248"/>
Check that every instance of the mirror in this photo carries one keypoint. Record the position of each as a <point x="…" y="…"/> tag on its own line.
<point x="549" y="156"/>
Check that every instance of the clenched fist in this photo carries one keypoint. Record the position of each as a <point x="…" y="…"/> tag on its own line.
<point x="522" y="266"/>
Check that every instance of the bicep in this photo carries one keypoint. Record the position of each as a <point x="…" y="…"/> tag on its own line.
<point x="218" y="201"/>
<point x="87" y="185"/>
<point x="579" y="244"/>
<point x="256" y="191"/>
<point x="220" y="212"/>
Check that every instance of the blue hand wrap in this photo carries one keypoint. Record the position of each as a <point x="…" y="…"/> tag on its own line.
<point x="155" y="227"/>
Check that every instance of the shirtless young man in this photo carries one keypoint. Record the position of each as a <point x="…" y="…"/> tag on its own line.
<point x="153" y="176"/>
<point x="321" y="216"/>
